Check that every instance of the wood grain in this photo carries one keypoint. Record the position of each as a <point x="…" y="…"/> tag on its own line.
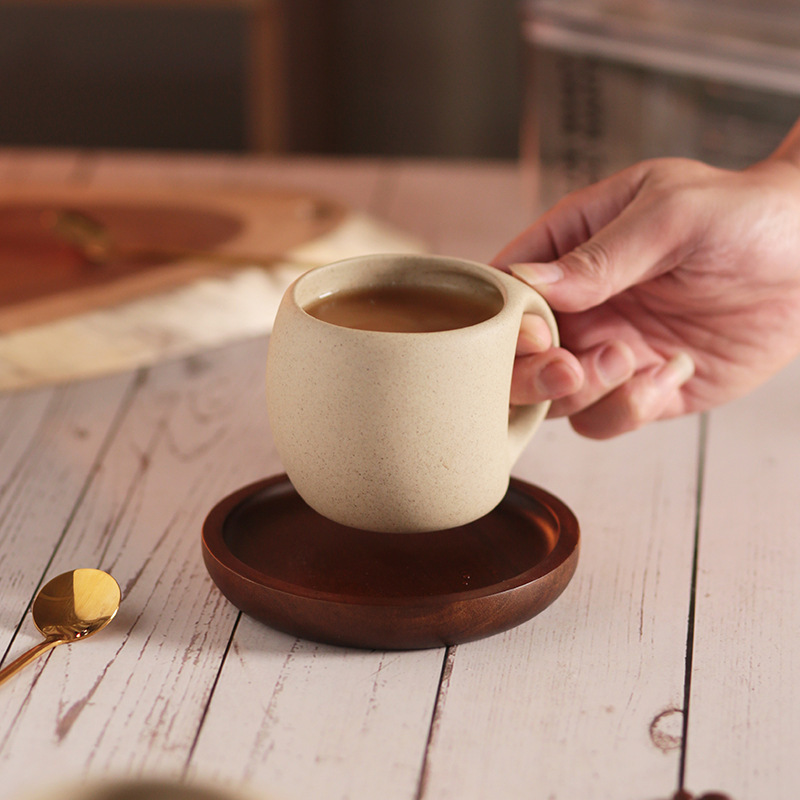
<point x="42" y="278"/>
<point x="564" y="705"/>
<point x="139" y="517"/>
<point x="586" y="700"/>
<point x="745" y="683"/>
<point x="50" y="443"/>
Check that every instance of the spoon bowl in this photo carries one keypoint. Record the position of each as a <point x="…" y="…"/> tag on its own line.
<point x="69" y="607"/>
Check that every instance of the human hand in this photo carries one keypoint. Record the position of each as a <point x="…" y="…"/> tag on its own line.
<point x="676" y="286"/>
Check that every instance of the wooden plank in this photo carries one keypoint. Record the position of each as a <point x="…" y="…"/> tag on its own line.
<point x="133" y="168"/>
<point x="63" y="442"/>
<point x="50" y="442"/>
<point x="585" y="700"/>
<point x="460" y="209"/>
<point x="194" y="431"/>
<point x="314" y="721"/>
<point x="360" y="182"/>
<point x="159" y="240"/>
<point x="297" y="719"/>
<point x="744" y="711"/>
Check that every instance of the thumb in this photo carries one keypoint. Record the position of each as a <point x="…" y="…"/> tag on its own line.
<point x="601" y="258"/>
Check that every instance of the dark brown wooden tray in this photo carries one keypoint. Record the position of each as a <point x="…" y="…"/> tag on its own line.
<point x="282" y="563"/>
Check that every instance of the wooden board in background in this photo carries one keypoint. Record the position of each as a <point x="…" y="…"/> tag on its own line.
<point x="42" y="277"/>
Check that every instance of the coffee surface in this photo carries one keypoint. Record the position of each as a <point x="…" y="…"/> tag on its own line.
<point x="405" y="309"/>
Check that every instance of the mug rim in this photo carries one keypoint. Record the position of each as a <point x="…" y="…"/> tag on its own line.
<point x="475" y="269"/>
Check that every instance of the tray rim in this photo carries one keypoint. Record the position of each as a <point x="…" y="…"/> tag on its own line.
<point x="563" y="554"/>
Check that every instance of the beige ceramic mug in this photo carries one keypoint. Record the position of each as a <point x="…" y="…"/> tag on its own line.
<point x="400" y="431"/>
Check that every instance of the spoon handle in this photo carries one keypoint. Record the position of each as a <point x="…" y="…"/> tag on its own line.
<point x="31" y="655"/>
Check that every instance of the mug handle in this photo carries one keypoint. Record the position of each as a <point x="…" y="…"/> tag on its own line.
<point x="524" y="420"/>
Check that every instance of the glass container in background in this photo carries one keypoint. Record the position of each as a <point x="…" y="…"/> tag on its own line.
<point x="612" y="82"/>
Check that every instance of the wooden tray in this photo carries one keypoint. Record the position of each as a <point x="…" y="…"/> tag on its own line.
<point x="42" y="278"/>
<point x="279" y="561"/>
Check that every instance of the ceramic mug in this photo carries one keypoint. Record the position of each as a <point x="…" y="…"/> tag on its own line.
<point x="398" y="431"/>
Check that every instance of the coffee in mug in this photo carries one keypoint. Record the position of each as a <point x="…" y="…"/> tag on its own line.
<point x="388" y="383"/>
<point x="405" y="309"/>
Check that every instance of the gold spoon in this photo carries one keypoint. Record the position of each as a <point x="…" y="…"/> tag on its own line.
<point x="72" y="606"/>
<point x="97" y="245"/>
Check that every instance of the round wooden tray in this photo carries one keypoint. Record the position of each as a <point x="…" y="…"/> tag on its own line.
<point x="282" y="563"/>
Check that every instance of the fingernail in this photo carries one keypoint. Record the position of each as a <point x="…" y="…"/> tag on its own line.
<point x="675" y="372"/>
<point x="557" y="380"/>
<point x="537" y="274"/>
<point x="614" y="363"/>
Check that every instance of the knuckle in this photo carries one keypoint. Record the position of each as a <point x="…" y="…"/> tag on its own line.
<point x="640" y="402"/>
<point x="592" y="262"/>
<point x="624" y="410"/>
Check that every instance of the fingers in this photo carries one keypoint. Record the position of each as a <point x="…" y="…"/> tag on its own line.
<point x="605" y="367"/>
<point x="632" y="248"/>
<point x="649" y="395"/>
<point x="599" y="241"/>
<point x="541" y="371"/>
<point x="602" y="391"/>
<point x="572" y="382"/>
<point x="573" y="220"/>
<point x="534" y="335"/>
<point x="545" y="376"/>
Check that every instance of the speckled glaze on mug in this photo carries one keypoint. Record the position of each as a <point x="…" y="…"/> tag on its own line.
<point x="392" y="431"/>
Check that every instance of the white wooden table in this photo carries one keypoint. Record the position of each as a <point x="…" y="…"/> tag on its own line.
<point x="672" y="659"/>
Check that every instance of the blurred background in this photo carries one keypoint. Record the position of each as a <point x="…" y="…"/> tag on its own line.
<point x="575" y="88"/>
<point x="412" y="77"/>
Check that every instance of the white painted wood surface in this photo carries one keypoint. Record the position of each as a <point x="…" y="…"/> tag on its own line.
<point x="744" y="720"/>
<point x="585" y="700"/>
